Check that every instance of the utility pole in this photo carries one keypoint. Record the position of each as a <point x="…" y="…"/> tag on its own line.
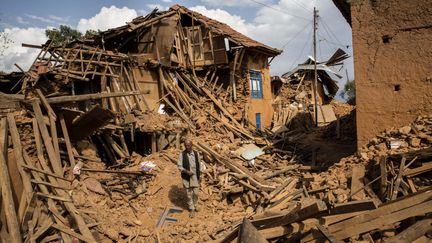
<point x="314" y="86"/>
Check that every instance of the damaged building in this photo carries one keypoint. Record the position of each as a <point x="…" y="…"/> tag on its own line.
<point x="392" y="62"/>
<point x="298" y="99"/>
<point x="235" y="65"/>
<point x="91" y="134"/>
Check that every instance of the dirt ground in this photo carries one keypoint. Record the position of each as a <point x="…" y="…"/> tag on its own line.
<point x="119" y="220"/>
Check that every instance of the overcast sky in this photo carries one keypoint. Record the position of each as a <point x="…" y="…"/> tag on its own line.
<point x="283" y="24"/>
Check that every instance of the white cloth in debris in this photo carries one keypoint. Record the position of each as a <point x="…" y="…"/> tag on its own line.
<point x="193" y="180"/>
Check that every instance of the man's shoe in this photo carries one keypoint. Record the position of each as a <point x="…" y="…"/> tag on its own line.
<point x="192" y="214"/>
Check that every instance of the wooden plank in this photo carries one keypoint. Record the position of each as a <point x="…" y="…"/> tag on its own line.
<point x="68" y="145"/>
<point x="86" y="124"/>
<point x="46" y="104"/>
<point x="249" y="234"/>
<point x="46" y="172"/>
<point x="383" y="170"/>
<point x="335" y="218"/>
<point x="385" y="209"/>
<point x="54" y="138"/>
<point x="280" y="188"/>
<point x="398" y="179"/>
<point x="57" y="198"/>
<point x="8" y="203"/>
<point x="42" y="229"/>
<point x="39" y="182"/>
<point x="370" y="192"/>
<point x="115" y="171"/>
<point x="413" y="232"/>
<point x="51" y="205"/>
<point x="16" y="141"/>
<point x="326" y="234"/>
<point x="75" y="98"/>
<point x="364" y="187"/>
<point x="419" y="170"/>
<point x="55" y="163"/>
<point x="358" y="172"/>
<point x="411" y="185"/>
<point x="71" y="233"/>
<point x="353" y="206"/>
<point x="296" y="215"/>
<point x="4" y="139"/>
<point x="390" y="218"/>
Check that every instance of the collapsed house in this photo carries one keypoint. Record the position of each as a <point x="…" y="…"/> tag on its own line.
<point x="88" y="156"/>
<point x="109" y="94"/>
<point x="295" y="92"/>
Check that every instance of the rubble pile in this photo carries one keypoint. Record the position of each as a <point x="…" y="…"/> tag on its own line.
<point x="375" y="195"/>
<point x="88" y="117"/>
<point x="89" y="146"/>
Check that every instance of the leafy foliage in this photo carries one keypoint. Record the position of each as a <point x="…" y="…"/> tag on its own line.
<point x="64" y="33"/>
<point x="91" y="33"/>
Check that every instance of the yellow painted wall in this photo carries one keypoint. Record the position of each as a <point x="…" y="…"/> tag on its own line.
<point x="263" y="106"/>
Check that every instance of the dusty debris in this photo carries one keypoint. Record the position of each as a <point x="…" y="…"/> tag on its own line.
<point x="90" y="151"/>
<point x="373" y="196"/>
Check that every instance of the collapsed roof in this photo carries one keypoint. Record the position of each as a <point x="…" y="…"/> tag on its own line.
<point x="323" y="68"/>
<point x="183" y="14"/>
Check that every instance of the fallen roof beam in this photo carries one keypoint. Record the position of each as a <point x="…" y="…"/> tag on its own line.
<point x="73" y="98"/>
<point x="31" y="46"/>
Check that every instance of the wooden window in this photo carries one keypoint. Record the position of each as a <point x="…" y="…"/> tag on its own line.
<point x="256" y="84"/>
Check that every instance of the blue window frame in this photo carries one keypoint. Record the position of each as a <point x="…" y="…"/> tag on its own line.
<point x="256" y="84"/>
<point x="258" y="120"/>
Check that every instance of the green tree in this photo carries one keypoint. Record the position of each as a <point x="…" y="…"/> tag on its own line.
<point x="91" y="33"/>
<point x="64" y="33"/>
<point x="349" y="92"/>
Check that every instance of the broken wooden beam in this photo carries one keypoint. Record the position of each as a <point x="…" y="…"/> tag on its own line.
<point x="249" y="234"/>
<point x="86" y="124"/>
<point x="116" y="171"/>
<point x="8" y="203"/>
<point x="74" y="98"/>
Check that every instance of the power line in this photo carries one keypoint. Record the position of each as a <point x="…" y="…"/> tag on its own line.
<point x="278" y="9"/>
<point x="330" y="32"/>
<point x="297" y="34"/>
<point x="302" y="6"/>
<point x="301" y="52"/>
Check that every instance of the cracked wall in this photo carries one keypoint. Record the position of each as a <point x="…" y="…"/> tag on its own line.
<point x="393" y="63"/>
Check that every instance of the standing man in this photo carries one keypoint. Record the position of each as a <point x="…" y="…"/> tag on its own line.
<point x="189" y="165"/>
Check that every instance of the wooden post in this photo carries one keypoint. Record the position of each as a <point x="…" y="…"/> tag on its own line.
<point x="178" y="140"/>
<point x="18" y="156"/>
<point x="383" y="169"/>
<point x="68" y="144"/>
<point x="4" y="136"/>
<point x="8" y="203"/>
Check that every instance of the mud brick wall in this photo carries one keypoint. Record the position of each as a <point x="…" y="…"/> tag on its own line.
<point x="392" y="42"/>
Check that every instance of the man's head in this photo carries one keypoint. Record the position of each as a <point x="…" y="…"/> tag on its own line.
<point x="188" y="145"/>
